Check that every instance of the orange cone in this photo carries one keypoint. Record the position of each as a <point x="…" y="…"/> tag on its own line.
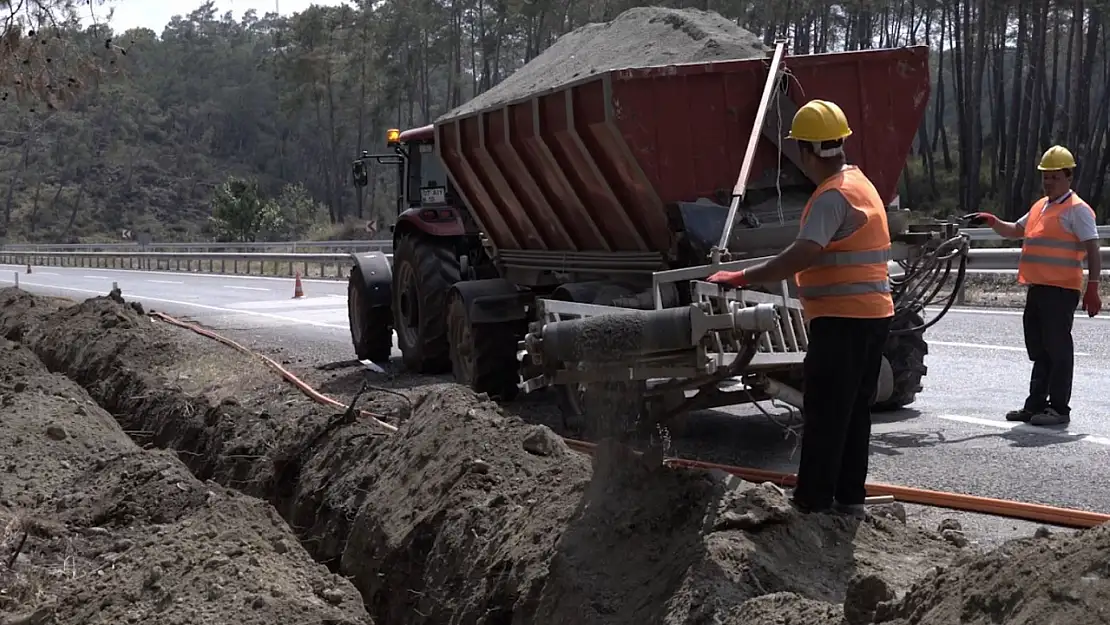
<point x="298" y="290"/>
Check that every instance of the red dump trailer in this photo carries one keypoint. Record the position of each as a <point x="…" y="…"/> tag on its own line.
<point x="596" y="192"/>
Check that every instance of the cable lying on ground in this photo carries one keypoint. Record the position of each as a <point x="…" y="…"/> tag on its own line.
<point x="1066" y="517"/>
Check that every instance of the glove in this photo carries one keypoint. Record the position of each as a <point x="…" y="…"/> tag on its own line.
<point x="1092" y="303"/>
<point x="980" y="219"/>
<point x="734" y="279"/>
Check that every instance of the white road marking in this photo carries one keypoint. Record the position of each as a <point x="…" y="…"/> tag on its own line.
<point x="1017" y="426"/>
<point x="229" y="311"/>
<point x="244" y="288"/>
<point x="291" y="304"/>
<point x="1006" y="348"/>
<point x="1009" y="313"/>
<point x="165" y="281"/>
<point x="95" y="277"/>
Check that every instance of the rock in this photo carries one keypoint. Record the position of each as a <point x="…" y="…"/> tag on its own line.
<point x="956" y="537"/>
<point x="755" y="507"/>
<point x="894" y="511"/>
<point x="541" y="441"/>
<point x="332" y="596"/>
<point x="480" y="467"/>
<point x="949" y="524"/>
<point x="56" y="432"/>
<point x="864" y="595"/>
<point x="1042" y="532"/>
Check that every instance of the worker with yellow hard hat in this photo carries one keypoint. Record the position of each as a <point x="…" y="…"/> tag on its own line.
<point x="1059" y="232"/>
<point x="839" y="262"/>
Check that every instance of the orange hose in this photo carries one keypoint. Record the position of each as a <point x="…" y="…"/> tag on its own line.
<point x="1067" y="517"/>
<point x="285" y="373"/>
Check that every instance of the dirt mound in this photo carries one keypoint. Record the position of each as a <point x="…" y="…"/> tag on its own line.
<point x="639" y="37"/>
<point x="1058" y="579"/>
<point x="468" y="515"/>
<point x="95" y="529"/>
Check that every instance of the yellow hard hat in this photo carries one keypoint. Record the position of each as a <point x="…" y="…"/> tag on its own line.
<point x="817" y="121"/>
<point x="1056" y="158"/>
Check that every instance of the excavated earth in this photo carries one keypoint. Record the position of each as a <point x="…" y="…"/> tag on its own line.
<point x="95" y="529"/>
<point x="639" y="37"/>
<point x="463" y="516"/>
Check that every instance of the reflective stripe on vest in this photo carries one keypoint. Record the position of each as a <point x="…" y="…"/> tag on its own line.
<point x="850" y="277"/>
<point x="1050" y="255"/>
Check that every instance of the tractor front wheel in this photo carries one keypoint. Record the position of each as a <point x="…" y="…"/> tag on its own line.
<point x="483" y="356"/>
<point x="906" y="353"/>
<point x="371" y="326"/>
<point x="424" y="269"/>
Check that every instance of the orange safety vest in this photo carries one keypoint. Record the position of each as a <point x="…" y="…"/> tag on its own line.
<point x="850" y="278"/>
<point x="1051" y="255"/>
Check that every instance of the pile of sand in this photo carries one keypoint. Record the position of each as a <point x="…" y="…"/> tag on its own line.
<point x="639" y="37"/>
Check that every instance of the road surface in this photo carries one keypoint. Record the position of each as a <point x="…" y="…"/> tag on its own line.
<point x="955" y="437"/>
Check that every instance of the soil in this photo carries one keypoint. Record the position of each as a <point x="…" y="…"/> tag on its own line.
<point x="639" y="37"/>
<point x="469" y="514"/>
<point x="95" y="529"/>
<point x="1004" y="291"/>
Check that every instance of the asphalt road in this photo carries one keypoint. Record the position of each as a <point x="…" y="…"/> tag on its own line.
<point x="954" y="438"/>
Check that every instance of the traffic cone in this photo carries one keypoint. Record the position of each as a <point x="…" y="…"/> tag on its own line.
<point x="298" y="290"/>
<point x="28" y="267"/>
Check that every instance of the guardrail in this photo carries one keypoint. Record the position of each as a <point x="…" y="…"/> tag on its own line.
<point x="245" y="263"/>
<point x="986" y="234"/>
<point x="332" y="265"/>
<point x="282" y="247"/>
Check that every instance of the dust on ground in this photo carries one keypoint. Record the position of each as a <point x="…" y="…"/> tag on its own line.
<point x="639" y="37"/>
<point x="471" y="514"/>
<point x="95" y="529"/>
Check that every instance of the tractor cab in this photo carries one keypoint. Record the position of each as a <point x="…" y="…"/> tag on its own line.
<point x="421" y="178"/>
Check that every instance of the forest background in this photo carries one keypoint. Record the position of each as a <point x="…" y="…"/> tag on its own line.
<point x="244" y="129"/>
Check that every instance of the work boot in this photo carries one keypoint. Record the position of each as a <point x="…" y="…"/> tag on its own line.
<point x="1021" y="414"/>
<point x="1049" y="417"/>
<point x="854" y="510"/>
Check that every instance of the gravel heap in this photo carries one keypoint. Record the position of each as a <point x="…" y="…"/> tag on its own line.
<point x="639" y="37"/>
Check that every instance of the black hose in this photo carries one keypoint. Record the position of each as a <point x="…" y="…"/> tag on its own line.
<point x="923" y="280"/>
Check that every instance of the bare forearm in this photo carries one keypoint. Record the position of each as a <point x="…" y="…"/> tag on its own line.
<point x="1008" y="229"/>
<point x="790" y="261"/>
<point x="1094" y="261"/>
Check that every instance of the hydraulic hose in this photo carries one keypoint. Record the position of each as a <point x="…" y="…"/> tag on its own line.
<point x="1066" y="517"/>
<point x="923" y="280"/>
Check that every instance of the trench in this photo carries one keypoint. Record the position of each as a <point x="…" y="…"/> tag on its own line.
<point x="318" y="468"/>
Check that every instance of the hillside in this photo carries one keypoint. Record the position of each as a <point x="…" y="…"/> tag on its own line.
<point x="282" y="104"/>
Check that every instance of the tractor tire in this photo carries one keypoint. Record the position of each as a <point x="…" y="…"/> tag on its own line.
<point x="483" y="356"/>
<point x="371" y="326"/>
<point x="424" y="269"/>
<point x="906" y="353"/>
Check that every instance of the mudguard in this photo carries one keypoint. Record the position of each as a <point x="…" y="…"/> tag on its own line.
<point x="493" y="301"/>
<point x="377" y="276"/>
<point x="441" y="221"/>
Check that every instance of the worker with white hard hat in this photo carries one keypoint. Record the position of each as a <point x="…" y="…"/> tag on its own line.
<point x="839" y="261"/>
<point x="1059" y="232"/>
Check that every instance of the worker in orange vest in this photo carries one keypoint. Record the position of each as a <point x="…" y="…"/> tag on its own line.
<point x="839" y="261"/>
<point x="1059" y="231"/>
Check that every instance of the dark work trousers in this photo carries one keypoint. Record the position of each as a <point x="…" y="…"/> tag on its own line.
<point x="841" y="374"/>
<point x="1048" y="317"/>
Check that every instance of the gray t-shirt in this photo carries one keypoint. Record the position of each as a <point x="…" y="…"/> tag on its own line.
<point x="830" y="219"/>
<point x="1078" y="220"/>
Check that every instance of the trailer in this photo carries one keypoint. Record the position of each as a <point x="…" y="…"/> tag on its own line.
<point x="563" y="239"/>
